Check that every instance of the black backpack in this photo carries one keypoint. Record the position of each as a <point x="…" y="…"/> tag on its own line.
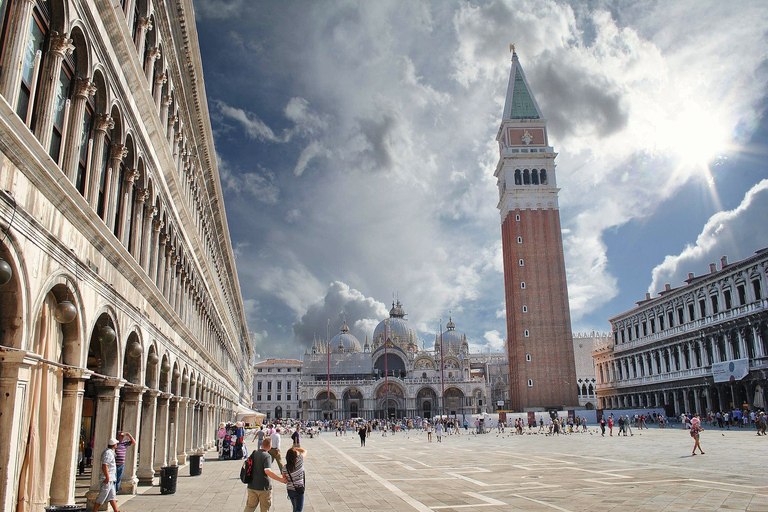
<point x="246" y="472"/>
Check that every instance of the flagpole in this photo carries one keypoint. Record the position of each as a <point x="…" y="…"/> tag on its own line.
<point x="442" y="369"/>
<point x="328" y="349"/>
<point x="386" y="373"/>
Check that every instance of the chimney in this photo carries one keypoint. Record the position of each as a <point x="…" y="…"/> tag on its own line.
<point x="667" y="287"/>
<point x="647" y="296"/>
<point x="712" y="268"/>
<point x="691" y="275"/>
<point x="723" y="262"/>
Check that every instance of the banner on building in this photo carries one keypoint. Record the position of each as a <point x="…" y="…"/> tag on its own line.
<point x="733" y="370"/>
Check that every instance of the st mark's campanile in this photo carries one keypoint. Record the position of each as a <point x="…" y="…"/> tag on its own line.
<point x="539" y="339"/>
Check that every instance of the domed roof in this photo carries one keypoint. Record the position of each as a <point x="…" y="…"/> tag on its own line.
<point x="345" y="342"/>
<point x="397" y="328"/>
<point x="453" y="340"/>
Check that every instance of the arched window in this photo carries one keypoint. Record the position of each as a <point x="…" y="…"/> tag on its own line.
<point x="517" y="217"/>
<point x="32" y="63"/>
<point x="526" y="177"/>
<point x="527" y="333"/>
<point x="61" y="97"/>
<point x="525" y="309"/>
<point x="5" y="15"/>
<point x="521" y="263"/>
<point x="535" y="177"/>
<point x="518" y="179"/>
<point x="583" y="390"/>
<point x="543" y="176"/>
<point x="522" y="285"/>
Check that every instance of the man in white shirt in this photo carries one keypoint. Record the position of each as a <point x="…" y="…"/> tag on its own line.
<point x="275" y="450"/>
<point x="108" y="475"/>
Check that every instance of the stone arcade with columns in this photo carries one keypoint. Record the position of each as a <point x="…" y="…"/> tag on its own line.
<point x="120" y="307"/>
<point x="391" y="377"/>
<point x="662" y="353"/>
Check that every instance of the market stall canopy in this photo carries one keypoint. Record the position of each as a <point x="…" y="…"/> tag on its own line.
<point x="249" y="415"/>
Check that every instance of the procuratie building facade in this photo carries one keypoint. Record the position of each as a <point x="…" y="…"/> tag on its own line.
<point x="120" y="307"/>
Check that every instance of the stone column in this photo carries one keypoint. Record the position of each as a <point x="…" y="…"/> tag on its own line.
<point x="686" y="401"/>
<point x="159" y="259"/>
<point x="132" y="409"/>
<point x="148" y="240"/>
<point x="164" y="106"/>
<point x="123" y="216"/>
<point x="170" y="263"/>
<point x="108" y="393"/>
<point x="63" y="478"/>
<point x="157" y="92"/>
<point x="83" y="89"/>
<point x="116" y="155"/>
<point x="150" y="249"/>
<point x="182" y="434"/>
<point x="138" y="225"/>
<point x="756" y="338"/>
<point x="60" y="45"/>
<point x="14" y="386"/>
<point x="101" y="125"/>
<point x="146" y="470"/>
<point x="149" y="63"/>
<point x="676" y="397"/>
<point x="709" y="399"/>
<point x="143" y="26"/>
<point x="173" y="430"/>
<point x="728" y="347"/>
<point x="171" y="131"/>
<point x="190" y="426"/>
<point x="161" y="432"/>
<point x="15" y="48"/>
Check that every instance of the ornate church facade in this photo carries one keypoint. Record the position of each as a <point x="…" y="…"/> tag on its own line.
<point x="389" y="376"/>
<point x="120" y="307"/>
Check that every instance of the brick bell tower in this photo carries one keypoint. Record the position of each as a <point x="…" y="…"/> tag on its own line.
<point x="542" y="369"/>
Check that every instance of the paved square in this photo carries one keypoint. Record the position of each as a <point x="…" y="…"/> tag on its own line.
<point x="651" y="470"/>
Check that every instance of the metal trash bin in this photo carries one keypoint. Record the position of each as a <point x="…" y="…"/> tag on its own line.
<point x="168" y="476"/>
<point x="195" y="465"/>
<point x="65" y="508"/>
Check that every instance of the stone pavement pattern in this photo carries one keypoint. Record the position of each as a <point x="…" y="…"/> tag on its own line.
<point x="652" y="470"/>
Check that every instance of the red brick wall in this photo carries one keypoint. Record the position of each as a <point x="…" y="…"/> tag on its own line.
<point x="548" y="319"/>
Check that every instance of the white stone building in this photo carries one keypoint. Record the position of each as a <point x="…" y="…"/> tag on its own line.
<point x="699" y="347"/>
<point x="120" y="307"/>
<point x="276" y="388"/>
<point x="391" y="377"/>
<point x="584" y="344"/>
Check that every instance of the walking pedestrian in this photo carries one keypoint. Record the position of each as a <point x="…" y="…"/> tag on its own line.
<point x="695" y="429"/>
<point x="294" y="473"/>
<point x="260" y="488"/>
<point x="274" y="451"/>
<point x="107" y="476"/>
<point x="363" y="433"/>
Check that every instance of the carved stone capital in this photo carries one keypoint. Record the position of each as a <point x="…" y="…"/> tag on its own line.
<point x="167" y="100"/>
<point x="163" y="236"/>
<point x="103" y="123"/>
<point x="144" y="24"/>
<point x="153" y="53"/>
<point x="84" y="88"/>
<point x="161" y="79"/>
<point x="142" y="194"/>
<point x="131" y="175"/>
<point x="157" y="224"/>
<point x="118" y="151"/>
<point x="61" y="44"/>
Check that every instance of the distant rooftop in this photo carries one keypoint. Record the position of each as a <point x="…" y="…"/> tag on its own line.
<point x="278" y="362"/>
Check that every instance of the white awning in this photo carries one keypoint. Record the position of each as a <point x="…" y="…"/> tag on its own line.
<point x="248" y="415"/>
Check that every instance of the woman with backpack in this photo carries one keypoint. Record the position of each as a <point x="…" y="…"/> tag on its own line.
<point x="293" y="471"/>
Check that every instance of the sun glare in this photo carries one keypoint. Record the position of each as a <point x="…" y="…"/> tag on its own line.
<point x="697" y="138"/>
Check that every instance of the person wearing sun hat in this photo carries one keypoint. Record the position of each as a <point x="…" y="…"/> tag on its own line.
<point x="107" y="476"/>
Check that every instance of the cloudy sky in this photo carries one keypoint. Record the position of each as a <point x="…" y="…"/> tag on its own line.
<point x="356" y="145"/>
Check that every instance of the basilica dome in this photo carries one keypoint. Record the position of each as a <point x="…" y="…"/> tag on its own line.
<point x="397" y="329"/>
<point x="452" y="340"/>
<point x="345" y="342"/>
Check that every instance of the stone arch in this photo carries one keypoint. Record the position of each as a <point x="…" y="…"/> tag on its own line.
<point x="176" y="379"/>
<point x="184" y="391"/>
<point x="82" y="51"/>
<point x="14" y="307"/>
<point x="133" y="357"/>
<point x="192" y="385"/>
<point x="104" y="355"/>
<point x="152" y="371"/>
<point x="395" y="365"/>
<point x="165" y="370"/>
